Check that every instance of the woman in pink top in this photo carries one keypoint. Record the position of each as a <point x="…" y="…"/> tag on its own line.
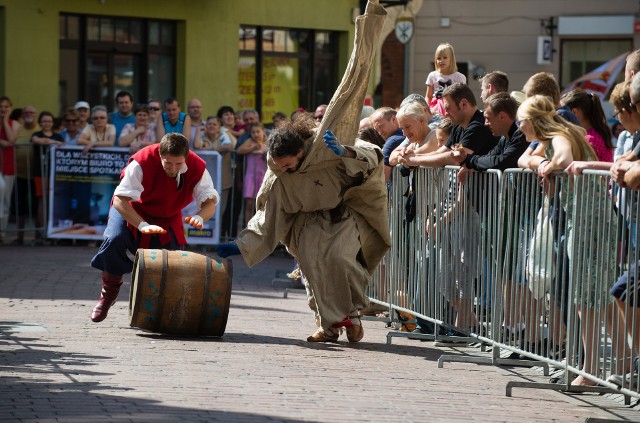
<point x="255" y="151"/>
<point x="588" y="110"/>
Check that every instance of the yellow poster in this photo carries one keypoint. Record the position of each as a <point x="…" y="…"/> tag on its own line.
<point x="247" y="83"/>
<point x="279" y="85"/>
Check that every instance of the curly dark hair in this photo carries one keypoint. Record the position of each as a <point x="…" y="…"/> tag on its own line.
<point x="288" y="140"/>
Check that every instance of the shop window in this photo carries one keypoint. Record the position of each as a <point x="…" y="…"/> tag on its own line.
<point x="100" y="56"/>
<point x="284" y="69"/>
<point x="582" y="56"/>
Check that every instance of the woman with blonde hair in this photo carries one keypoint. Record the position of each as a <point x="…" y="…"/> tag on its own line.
<point x="560" y="144"/>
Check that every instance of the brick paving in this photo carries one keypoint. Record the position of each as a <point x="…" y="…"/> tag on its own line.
<point x="56" y="365"/>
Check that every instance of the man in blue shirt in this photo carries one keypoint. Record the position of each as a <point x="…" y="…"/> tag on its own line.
<point x="385" y="123"/>
<point x="124" y="115"/>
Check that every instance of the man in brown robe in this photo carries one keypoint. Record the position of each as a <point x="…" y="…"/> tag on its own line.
<point x="326" y="200"/>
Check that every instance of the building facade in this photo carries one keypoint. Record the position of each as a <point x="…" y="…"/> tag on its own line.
<point x="278" y="55"/>
<point x="270" y="55"/>
<point x="505" y="35"/>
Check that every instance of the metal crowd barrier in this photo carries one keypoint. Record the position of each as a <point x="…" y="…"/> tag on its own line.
<point x="521" y="265"/>
<point x="441" y="262"/>
<point x="24" y="200"/>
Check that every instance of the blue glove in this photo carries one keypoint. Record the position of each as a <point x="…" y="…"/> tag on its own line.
<point x="333" y="143"/>
<point x="227" y="249"/>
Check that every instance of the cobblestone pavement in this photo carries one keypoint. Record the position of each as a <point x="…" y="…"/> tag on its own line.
<point x="56" y="365"/>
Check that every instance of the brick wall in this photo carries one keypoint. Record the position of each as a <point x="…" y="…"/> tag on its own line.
<point x="390" y="90"/>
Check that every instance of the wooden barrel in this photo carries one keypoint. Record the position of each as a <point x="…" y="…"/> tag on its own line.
<point x="180" y="292"/>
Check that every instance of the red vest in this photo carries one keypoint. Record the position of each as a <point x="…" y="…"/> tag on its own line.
<point x="7" y="161"/>
<point x="162" y="201"/>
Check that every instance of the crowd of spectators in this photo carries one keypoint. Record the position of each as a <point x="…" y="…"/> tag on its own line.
<point x="26" y="135"/>
<point x="540" y="129"/>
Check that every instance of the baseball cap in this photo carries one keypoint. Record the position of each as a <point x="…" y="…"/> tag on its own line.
<point x="81" y="105"/>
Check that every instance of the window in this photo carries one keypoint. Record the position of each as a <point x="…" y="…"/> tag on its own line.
<point x="284" y="69"/>
<point x="582" y="56"/>
<point x="100" y="56"/>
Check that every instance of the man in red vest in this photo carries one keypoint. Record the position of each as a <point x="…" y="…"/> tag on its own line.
<point x="147" y="212"/>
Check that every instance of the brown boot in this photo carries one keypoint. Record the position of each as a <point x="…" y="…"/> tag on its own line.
<point x="110" y="289"/>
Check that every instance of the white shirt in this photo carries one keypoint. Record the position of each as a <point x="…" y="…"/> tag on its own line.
<point x="131" y="184"/>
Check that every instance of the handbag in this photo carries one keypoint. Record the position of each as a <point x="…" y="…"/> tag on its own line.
<point x="410" y="202"/>
<point x="541" y="260"/>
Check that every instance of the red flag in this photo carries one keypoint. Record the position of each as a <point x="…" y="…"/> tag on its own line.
<point x="600" y="80"/>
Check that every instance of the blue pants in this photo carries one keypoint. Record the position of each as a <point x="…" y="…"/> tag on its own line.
<point x="626" y="287"/>
<point x="118" y="239"/>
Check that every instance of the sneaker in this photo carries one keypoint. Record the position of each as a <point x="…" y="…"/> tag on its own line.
<point x="421" y="330"/>
<point x="509" y="336"/>
<point x="455" y="338"/>
<point x="630" y="380"/>
<point x="559" y="378"/>
<point x="424" y="326"/>
<point x="515" y="356"/>
<point x="450" y="342"/>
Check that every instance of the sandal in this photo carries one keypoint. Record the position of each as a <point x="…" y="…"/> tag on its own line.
<point x="322" y="336"/>
<point x="355" y="332"/>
